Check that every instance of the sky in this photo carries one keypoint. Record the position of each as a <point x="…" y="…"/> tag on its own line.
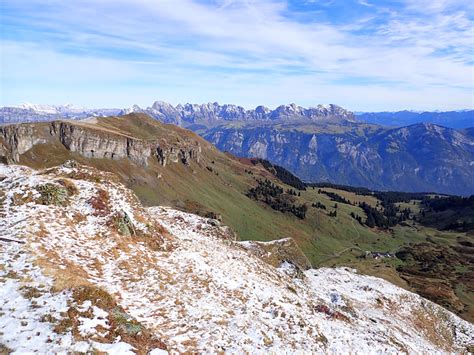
<point x="364" y="55"/>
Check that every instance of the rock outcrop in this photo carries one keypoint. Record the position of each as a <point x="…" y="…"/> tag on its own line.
<point x="16" y="140"/>
<point x="95" y="142"/>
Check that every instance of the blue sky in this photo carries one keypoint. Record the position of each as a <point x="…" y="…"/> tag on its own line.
<point x="361" y="54"/>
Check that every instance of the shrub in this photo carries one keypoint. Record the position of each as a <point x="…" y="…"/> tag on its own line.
<point x="123" y="224"/>
<point x="100" y="203"/>
<point x="52" y="194"/>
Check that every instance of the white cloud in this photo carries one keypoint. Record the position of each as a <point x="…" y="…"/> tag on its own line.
<point x="365" y="3"/>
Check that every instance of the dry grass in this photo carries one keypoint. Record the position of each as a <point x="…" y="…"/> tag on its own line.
<point x="30" y="292"/>
<point x="428" y="323"/>
<point x="21" y="199"/>
<point x="122" y="325"/>
<point x="4" y="350"/>
<point x="100" y="203"/>
<point x="71" y="276"/>
<point x="69" y="185"/>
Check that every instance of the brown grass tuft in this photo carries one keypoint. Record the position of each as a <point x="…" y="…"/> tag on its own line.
<point x="69" y="185"/>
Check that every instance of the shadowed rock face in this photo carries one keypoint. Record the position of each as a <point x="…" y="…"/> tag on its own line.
<point x="93" y="142"/>
<point x="16" y="140"/>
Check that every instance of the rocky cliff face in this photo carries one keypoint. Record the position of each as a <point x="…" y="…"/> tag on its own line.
<point x="422" y="157"/>
<point x="93" y="142"/>
<point x="16" y="140"/>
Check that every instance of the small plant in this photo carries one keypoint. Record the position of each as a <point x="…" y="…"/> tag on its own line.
<point x="52" y="194"/>
<point x="30" y="292"/>
<point x="100" y="203"/>
<point x="126" y="323"/>
<point x="48" y="318"/>
<point x="71" y="164"/>
<point x="123" y="224"/>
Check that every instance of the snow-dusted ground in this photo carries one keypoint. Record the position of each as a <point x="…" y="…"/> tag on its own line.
<point x="194" y="288"/>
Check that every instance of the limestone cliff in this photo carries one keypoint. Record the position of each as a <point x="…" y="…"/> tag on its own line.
<point x="96" y="142"/>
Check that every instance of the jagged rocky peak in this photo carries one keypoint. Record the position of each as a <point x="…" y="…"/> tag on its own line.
<point x="287" y="111"/>
<point x="261" y="111"/>
<point x="165" y="112"/>
<point x="293" y="111"/>
<point x="336" y="111"/>
<point x="134" y="108"/>
<point x="214" y="112"/>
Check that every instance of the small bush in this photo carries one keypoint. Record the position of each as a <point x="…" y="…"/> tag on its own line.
<point x="97" y="296"/>
<point x="125" y="323"/>
<point x="123" y="224"/>
<point x="52" y="194"/>
<point x="30" y="292"/>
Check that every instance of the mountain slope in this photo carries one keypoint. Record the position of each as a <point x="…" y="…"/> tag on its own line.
<point x="163" y="164"/>
<point x="100" y="272"/>
<point x="422" y="157"/>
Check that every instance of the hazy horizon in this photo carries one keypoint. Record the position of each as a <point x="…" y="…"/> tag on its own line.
<point x="22" y="104"/>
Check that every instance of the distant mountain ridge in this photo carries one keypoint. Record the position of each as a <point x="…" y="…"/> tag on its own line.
<point x="38" y="113"/>
<point x="452" y="119"/>
<point x="188" y="114"/>
<point x="181" y="115"/>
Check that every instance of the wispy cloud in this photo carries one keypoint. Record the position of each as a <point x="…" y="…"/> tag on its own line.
<point x="365" y="3"/>
<point x="244" y="51"/>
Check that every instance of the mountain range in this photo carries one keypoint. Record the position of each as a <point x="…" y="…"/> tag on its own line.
<point x="323" y="143"/>
<point x="422" y="157"/>
<point x="191" y="113"/>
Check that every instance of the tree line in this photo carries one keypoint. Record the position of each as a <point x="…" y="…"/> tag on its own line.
<point x="275" y="197"/>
